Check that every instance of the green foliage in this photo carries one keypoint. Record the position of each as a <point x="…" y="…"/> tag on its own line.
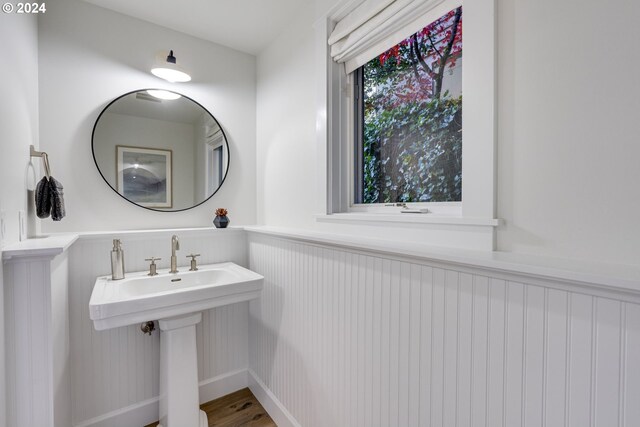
<point x="412" y="131"/>
<point x="413" y="152"/>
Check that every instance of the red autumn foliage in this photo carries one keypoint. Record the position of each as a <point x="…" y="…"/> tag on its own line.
<point x="429" y="52"/>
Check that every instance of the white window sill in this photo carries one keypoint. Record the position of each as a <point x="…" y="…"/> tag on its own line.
<point x="408" y="218"/>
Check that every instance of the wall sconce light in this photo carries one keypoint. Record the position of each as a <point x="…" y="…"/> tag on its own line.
<point x="170" y="71"/>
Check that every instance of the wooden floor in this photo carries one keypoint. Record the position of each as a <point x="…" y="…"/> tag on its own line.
<point x="234" y="410"/>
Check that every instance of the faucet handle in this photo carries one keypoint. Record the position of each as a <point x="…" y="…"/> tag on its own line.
<point x="194" y="267"/>
<point x="152" y="266"/>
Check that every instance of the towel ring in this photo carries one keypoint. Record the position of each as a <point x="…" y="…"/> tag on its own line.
<point x="45" y="160"/>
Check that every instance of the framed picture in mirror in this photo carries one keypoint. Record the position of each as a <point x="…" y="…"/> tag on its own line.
<point x="144" y="175"/>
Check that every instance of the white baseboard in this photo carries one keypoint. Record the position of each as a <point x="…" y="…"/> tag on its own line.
<point x="270" y="402"/>
<point x="146" y="412"/>
<point x="140" y="414"/>
<point x="223" y="384"/>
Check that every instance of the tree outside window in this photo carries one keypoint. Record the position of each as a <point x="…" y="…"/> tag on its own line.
<point x="411" y="113"/>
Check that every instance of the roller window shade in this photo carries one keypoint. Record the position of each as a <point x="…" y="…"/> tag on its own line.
<point x="377" y="25"/>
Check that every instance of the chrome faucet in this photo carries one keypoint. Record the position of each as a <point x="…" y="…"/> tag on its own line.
<point x="175" y="246"/>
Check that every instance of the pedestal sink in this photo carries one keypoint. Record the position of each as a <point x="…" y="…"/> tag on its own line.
<point x="177" y="300"/>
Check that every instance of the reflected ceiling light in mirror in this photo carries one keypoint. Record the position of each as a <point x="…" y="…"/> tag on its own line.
<point x="163" y="94"/>
<point x="170" y="71"/>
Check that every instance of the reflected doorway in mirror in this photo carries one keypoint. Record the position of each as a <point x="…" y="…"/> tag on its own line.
<point x="216" y="160"/>
<point x="144" y="175"/>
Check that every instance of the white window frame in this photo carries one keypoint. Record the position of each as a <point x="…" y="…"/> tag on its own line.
<point x="334" y="129"/>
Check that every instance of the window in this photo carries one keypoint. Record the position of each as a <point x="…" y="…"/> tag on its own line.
<point x="348" y="37"/>
<point x="408" y="118"/>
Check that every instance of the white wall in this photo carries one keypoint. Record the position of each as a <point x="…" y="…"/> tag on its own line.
<point x="347" y="338"/>
<point x="567" y="151"/>
<point x="568" y="103"/>
<point x="18" y="129"/>
<point x="88" y="57"/>
<point x="286" y="126"/>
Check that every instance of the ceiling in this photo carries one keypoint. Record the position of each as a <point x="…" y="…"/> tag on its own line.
<point x="245" y="25"/>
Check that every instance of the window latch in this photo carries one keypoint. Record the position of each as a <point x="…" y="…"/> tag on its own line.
<point x="407" y="209"/>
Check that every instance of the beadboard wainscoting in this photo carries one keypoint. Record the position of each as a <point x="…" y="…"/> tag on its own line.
<point x="37" y="337"/>
<point x="115" y="373"/>
<point x="347" y="337"/>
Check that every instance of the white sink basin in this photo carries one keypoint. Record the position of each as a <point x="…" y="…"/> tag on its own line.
<point x="139" y="297"/>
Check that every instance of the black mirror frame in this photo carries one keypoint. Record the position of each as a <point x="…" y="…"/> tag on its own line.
<point x="93" y="152"/>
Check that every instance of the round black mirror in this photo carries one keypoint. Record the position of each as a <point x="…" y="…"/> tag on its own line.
<point x="160" y="150"/>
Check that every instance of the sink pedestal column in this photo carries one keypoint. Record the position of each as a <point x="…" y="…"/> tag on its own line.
<point x="179" y="400"/>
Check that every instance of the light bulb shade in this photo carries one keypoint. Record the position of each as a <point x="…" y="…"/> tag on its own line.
<point x="171" y="74"/>
<point x="170" y="71"/>
<point x="163" y="94"/>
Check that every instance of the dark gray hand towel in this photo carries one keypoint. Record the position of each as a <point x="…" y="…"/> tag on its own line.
<point x="50" y="199"/>
<point x="43" y="198"/>
<point x="57" y="199"/>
